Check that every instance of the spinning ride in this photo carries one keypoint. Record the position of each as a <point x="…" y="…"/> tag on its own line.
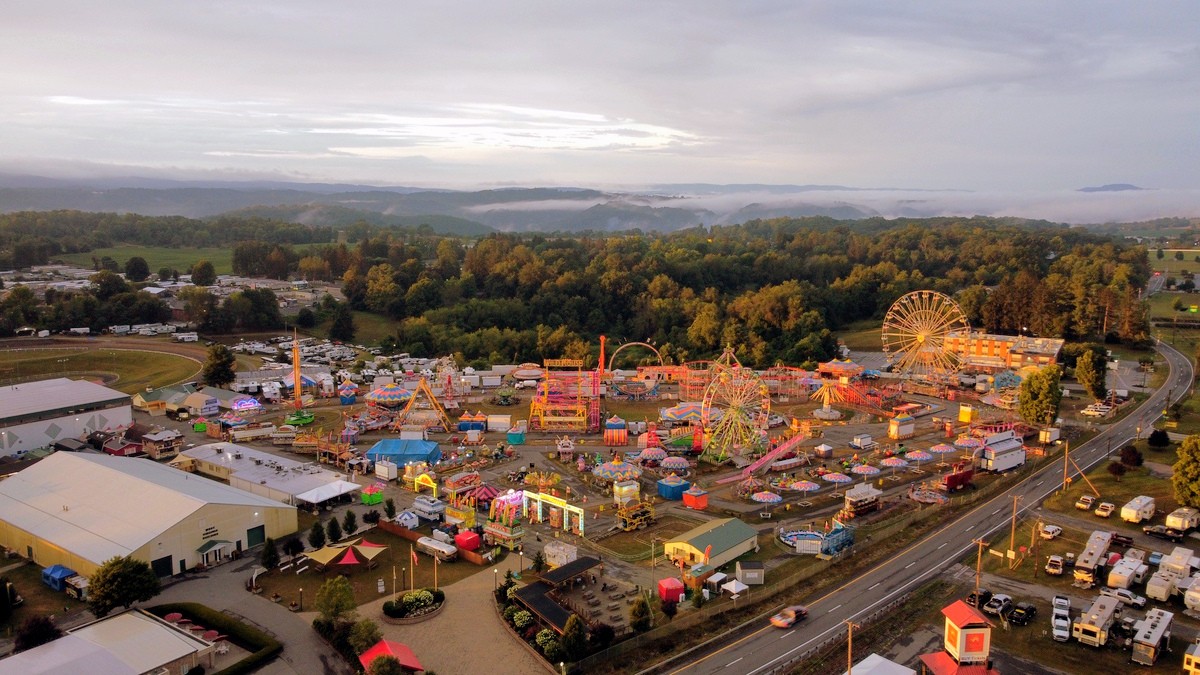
<point x="735" y="409"/>
<point x="914" y="334"/>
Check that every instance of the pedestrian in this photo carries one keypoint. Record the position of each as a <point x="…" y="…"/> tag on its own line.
<point x="539" y="537"/>
<point x="593" y="579"/>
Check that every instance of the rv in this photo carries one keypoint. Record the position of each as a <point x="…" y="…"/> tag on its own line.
<point x="251" y="432"/>
<point x="1151" y="636"/>
<point x="1091" y="628"/>
<point x="440" y="550"/>
<point x="1126" y="572"/>
<point x="1179" y="562"/>
<point x="185" y="337"/>
<point x="1184" y="519"/>
<point x="1162" y="585"/>
<point x="1138" y="509"/>
<point x="1003" y="451"/>
<point x="1091" y="561"/>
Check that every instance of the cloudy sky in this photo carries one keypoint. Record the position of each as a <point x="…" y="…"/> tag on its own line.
<point x="984" y="96"/>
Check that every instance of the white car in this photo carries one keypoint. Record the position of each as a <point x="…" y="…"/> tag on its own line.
<point x="1050" y="532"/>
<point x="1124" y="595"/>
<point x="1060" y="624"/>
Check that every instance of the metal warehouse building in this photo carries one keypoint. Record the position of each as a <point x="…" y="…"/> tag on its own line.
<point x="36" y="414"/>
<point x="79" y="510"/>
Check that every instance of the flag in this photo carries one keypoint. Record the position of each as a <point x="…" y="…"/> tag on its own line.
<point x="707" y="553"/>
<point x="414" y="556"/>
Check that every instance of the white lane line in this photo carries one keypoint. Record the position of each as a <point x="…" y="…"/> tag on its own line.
<point x="835" y="608"/>
<point x="733" y="662"/>
<point x="786" y="635"/>
<point x="941" y="547"/>
<point x="873" y="587"/>
<point x="968" y="528"/>
<point x="996" y="511"/>
<point x="910" y="564"/>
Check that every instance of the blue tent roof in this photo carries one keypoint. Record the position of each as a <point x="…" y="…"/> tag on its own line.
<point x="403" y="451"/>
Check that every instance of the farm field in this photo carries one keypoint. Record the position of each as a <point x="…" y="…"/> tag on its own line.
<point x="133" y="370"/>
<point x="157" y="257"/>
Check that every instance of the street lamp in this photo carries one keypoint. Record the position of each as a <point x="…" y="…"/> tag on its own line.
<point x="495" y="580"/>
<point x="301" y="599"/>
<point x="522" y="560"/>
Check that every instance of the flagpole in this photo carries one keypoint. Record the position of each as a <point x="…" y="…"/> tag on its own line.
<point x="435" y="566"/>
<point x="393" y="583"/>
<point x="412" y="568"/>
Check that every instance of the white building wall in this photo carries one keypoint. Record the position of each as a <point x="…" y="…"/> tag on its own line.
<point x="21" y="438"/>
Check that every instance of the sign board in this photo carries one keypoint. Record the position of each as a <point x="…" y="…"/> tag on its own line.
<point x="1194" y="308"/>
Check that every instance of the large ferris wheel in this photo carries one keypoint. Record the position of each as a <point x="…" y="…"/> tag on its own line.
<point x="735" y="409"/>
<point x="915" y="332"/>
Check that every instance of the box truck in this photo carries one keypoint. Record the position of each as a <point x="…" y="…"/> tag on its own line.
<point x="1138" y="509"/>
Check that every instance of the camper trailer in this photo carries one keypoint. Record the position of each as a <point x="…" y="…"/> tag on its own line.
<point x="1091" y="562"/>
<point x="1184" y="519"/>
<point x="440" y="550"/>
<point x="1151" y="636"/>
<point x="1162" y="585"/>
<point x="1179" y="562"/>
<point x="1138" y="509"/>
<point x="1091" y="628"/>
<point x="1126" y="572"/>
<point x="1003" y="451"/>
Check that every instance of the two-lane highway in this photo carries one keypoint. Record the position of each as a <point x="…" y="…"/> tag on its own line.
<point x="769" y="648"/>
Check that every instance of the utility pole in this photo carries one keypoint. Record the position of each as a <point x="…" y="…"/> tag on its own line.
<point x="980" y="544"/>
<point x="1066" y="482"/>
<point x="850" y="626"/>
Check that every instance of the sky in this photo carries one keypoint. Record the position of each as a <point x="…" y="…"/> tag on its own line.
<point x="1001" y="97"/>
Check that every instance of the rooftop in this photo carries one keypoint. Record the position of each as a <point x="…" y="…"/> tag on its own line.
<point x="255" y="466"/>
<point x="33" y="398"/>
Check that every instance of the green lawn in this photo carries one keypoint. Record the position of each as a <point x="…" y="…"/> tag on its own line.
<point x="862" y="335"/>
<point x="135" y="370"/>
<point x="1139" y="481"/>
<point x="369" y="329"/>
<point x="157" y="257"/>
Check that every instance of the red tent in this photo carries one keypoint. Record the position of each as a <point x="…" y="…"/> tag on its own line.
<point x="466" y="540"/>
<point x="349" y="558"/>
<point x="670" y="589"/>
<point x="401" y="652"/>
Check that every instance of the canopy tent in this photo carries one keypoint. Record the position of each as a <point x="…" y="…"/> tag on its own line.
<point x="305" y="381"/>
<point x="390" y="395"/>
<point x="400" y="652"/>
<point x="327" y="491"/>
<point x="401" y="451"/>
<point x="734" y="586"/>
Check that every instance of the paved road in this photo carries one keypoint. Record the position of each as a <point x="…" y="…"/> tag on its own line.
<point x="768" y="649"/>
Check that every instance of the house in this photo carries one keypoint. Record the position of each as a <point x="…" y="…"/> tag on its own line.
<point x="201" y="404"/>
<point x="714" y="543"/>
<point x="156" y="443"/>
<point x="156" y="401"/>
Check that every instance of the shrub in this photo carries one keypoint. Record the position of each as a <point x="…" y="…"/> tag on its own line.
<point x="415" y="600"/>
<point x="602" y="636"/>
<point x="545" y="637"/>
<point x="372" y="517"/>
<point x="1158" y="439"/>
<point x="522" y="619"/>
<point x="510" y="612"/>
<point x="554" y="651"/>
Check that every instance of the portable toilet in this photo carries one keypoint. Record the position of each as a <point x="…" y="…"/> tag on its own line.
<point x="695" y="498"/>
<point x="670" y="589"/>
<point x="672" y="487"/>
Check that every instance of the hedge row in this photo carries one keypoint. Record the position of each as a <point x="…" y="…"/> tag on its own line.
<point x="263" y="647"/>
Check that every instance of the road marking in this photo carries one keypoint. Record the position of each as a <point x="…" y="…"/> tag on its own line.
<point x="968" y="528"/>
<point x="910" y="564"/>
<point x="938" y="548"/>
<point x="786" y="635"/>
<point x="835" y="608"/>
<point x="996" y="511"/>
<point x="733" y="662"/>
<point x="873" y="587"/>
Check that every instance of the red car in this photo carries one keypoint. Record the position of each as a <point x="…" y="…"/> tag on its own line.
<point x="788" y="616"/>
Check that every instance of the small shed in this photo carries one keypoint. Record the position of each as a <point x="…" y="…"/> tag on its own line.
<point x="824" y="451"/>
<point x="750" y="572"/>
<point x="672" y="487"/>
<point x="408" y="519"/>
<point x="670" y="589"/>
<point x="901" y="427"/>
<point x="695" y="498"/>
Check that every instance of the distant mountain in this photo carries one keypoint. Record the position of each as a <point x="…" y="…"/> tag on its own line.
<point x="1111" y="187"/>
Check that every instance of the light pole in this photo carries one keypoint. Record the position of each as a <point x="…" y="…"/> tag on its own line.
<point x="495" y="580"/>
<point x="522" y="561"/>
<point x="301" y="599"/>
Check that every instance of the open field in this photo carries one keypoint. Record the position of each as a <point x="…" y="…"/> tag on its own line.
<point x="862" y="335"/>
<point x="134" y="370"/>
<point x="40" y="599"/>
<point x="157" y="257"/>
<point x="369" y="329"/>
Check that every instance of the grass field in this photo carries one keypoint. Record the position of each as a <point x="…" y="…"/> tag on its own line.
<point x="369" y="329"/>
<point x="1139" y="481"/>
<point x="862" y="335"/>
<point x="134" y="370"/>
<point x="157" y="257"/>
<point x="40" y="599"/>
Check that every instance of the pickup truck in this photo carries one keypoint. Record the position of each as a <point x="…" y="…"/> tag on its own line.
<point x="1085" y="503"/>
<point x="1163" y="532"/>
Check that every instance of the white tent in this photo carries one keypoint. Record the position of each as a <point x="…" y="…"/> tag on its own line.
<point x="327" y="492"/>
<point x="734" y="587"/>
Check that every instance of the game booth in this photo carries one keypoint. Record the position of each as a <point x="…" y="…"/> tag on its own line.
<point x="672" y="487"/>
<point x="696" y="498"/>
<point x="504" y="526"/>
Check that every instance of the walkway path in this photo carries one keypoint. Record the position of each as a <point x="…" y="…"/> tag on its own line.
<point x="467" y="637"/>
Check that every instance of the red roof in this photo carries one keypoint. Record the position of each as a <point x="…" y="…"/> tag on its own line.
<point x="940" y="663"/>
<point x="400" y="652"/>
<point x="962" y="615"/>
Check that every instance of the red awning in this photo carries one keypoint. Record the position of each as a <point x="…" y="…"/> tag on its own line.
<point x="399" y="651"/>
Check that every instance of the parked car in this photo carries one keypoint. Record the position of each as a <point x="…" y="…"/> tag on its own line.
<point x="1000" y="604"/>
<point x="1054" y="565"/>
<point x="1124" y="595"/>
<point x="1105" y="509"/>
<point x="981" y="600"/>
<point x="1085" y="503"/>
<point x="1121" y="540"/>
<point x="1060" y="624"/>
<point x="1062" y="603"/>
<point x="1022" y="614"/>
<point x="1050" y="531"/>
<point x="1164" y="532"/>
<point x="788" y="616"/>
<point x="1154" y="558"/>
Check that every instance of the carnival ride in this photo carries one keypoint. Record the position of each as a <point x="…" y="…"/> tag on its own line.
<point x="635" y="515"/>
<point x="566" y="400"/>
<point x="914" y="335"/>
<point x="448" y="376"/>
<point x="734" y="410"/>
<point x="298" y="416"/>
<point x="423" y="409"/>
<point x="645" y="387"/>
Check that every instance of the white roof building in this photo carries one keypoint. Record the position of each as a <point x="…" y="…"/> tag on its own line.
<point x="278" y="478"/>
<point x="79" y="510"/>
<point x="36" y="414"/>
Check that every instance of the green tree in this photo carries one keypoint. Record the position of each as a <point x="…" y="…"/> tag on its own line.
<point x="574" y="638"/>
<point x="203" y="274"/>
<point x="342" y="329"/>
<point x="334" y="531"/>
<point x="363" y="635"/>
<point x="106" y="284"/>
<point x="1040" y="394"/>
<point x="35" y="631"/>
<point x="1132" y="457"/>
<point x="306" y="318"/>
<point x="1158" y="439"/>
<point x="1117" y="469"/>
<point x="389" y="508"/>
<point x="316" y="535"/>
<point x="1159" y="254"/>
<point x="539" y="563"/>
<point x="136" y="269"/>
<point x="270" y="554"/>
<point x="639" y="615"/>
<point x="1091" y="370"/>
<point x="386" y="665"/>
<point x="219" y="368"/>
<point x="350" y="523"/>
<point x="120" y="582"/>
<point x="335" y="600"/>
<point x="602" y="636"/>
<point x="164" y="273"/>
<point x="1186" y="475"/>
